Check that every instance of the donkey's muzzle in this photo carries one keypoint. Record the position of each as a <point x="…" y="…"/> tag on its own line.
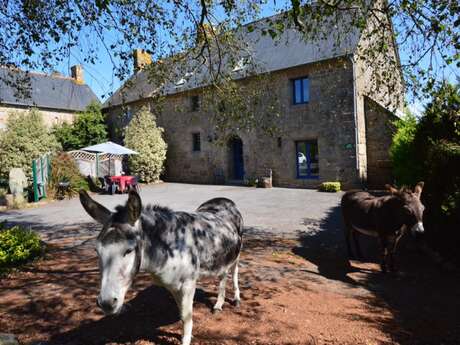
<point x="418" y="229"/>
<point x="107" y="306"/>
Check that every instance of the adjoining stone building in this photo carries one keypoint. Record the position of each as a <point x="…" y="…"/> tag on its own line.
<point x="57" y="97"/>
<point x="335" y="123"/>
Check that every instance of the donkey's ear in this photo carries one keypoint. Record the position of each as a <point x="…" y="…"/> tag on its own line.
<point x="391" y="189"/>
<point x="419" y="188"/>
<point x="134" y="207"/>
<point x="94" y="209"/>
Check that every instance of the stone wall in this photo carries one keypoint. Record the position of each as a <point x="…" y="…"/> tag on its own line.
<point x="378" y="76"/>
<point x="327" y="118"/>
<point x="50" y="117"/>
<point x="379" y="132"/>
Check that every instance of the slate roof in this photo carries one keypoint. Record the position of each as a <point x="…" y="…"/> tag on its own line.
<point x="289" y="50"/>
<point x="43" y="91"/>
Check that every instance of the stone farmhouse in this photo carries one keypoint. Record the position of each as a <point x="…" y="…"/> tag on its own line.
<point x="335" y="123"/>
<point x="57" y="97"/>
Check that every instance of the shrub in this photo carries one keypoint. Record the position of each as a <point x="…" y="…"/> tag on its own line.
<point x="143" y="135"/>
<point x="89" y="128"/>
<point x="332" y="187"/>
<point x="64" y="169"/>
<point x="402" y="150"/>
<point x="17" y="245"/>
<point x="25" y="138"/>
<point x="429" y="150"/>
<point x="251" y="181"/>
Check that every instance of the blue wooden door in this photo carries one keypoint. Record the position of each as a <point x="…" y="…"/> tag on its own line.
<point x="238" y="162"/>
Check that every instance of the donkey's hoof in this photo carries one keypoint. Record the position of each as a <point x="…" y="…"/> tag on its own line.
<point x="216" y="310"/>
<point x="236" y="303"/>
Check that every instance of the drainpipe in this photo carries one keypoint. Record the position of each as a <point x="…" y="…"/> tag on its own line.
<point x="355" y="114"/>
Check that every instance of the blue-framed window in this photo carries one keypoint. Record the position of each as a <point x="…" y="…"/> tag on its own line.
<point x="301" y="90"/>
<point x="307" y="159"/>
<point x="196" y="142"/>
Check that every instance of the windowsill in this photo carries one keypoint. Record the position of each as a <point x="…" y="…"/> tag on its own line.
<point x="307" y="177"/>
<point x="294" y="105"/>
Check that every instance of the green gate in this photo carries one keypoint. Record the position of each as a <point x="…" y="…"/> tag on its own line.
<point x="41" y="168"/>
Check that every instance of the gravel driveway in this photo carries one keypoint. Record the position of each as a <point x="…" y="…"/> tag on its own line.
<point x="279" y="211"/>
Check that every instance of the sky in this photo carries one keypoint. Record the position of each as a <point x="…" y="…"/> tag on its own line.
<point x="101" y="79"/>
<point x="100" y="76"/>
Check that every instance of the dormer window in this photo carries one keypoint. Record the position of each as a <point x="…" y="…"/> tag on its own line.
<point x="240" y="65"/>
<point x="184" y="79"/>
<point x="181" y="82"/>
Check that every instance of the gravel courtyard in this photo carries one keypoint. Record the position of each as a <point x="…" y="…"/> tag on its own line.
<point x="278" y="210"/>
<point x="297" y="286"/>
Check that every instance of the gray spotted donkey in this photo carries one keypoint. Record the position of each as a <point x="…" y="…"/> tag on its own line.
<point x="177" y="248"/>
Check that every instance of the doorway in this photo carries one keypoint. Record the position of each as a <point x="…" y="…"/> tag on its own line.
<point x="236" y="159"/>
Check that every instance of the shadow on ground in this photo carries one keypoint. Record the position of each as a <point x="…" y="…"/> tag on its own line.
<point x="152" y="308"/>
<point x="423" y="300"/>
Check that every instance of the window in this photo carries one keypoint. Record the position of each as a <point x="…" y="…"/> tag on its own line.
<point x="307" y="159"/>
<point x="128" y="113"/>
<point x="240" y="64"/>
<point x="221" y="107"/>
<point x="180" y="82"/>
<point x="301" y="88"/>
<point x="196" y="137"/>
<point x="195" y="103"/>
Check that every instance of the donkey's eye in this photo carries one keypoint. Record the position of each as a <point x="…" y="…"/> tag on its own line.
<point x="128" y="251"/>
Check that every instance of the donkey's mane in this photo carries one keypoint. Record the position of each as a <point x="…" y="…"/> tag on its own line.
<point x="120" y="215"/>
<point x="158" y="209"/>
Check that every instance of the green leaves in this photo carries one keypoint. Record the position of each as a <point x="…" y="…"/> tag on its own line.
<point x="65" y="169"/>
<point x="89" y="128"/>
<point x="17" y="245"/>
<point x="402" y="150"/>
<point x="41" y="34"/>
<point x="143" y="136"/>
<point x="26" y="137"/>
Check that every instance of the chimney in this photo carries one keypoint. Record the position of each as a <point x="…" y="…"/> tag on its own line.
<point x="77" y="74"/>
<point x="141" y="59"/>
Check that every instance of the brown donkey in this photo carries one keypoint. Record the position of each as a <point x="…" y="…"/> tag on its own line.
<point x="386" y="217"/>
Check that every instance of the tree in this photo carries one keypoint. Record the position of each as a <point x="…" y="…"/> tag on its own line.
<point x="429" y="150"/>
<point x="402" y="150"/>
<point x="26" y="138"/>
<point x="143" y="135"/>
<point x="89" y="128"/>
<point x="37" y="34"/>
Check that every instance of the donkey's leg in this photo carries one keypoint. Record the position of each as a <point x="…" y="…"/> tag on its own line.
<point x="185" y="299"/>
<point x="236" y="288"/>
<point x="393" y="246"/>
<point x="221" y="294"/>
<point x="348" y="233"/>
<point x="347" y="229"/>
<point x="355" y="235"/>
<point x="384" y="245"/>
